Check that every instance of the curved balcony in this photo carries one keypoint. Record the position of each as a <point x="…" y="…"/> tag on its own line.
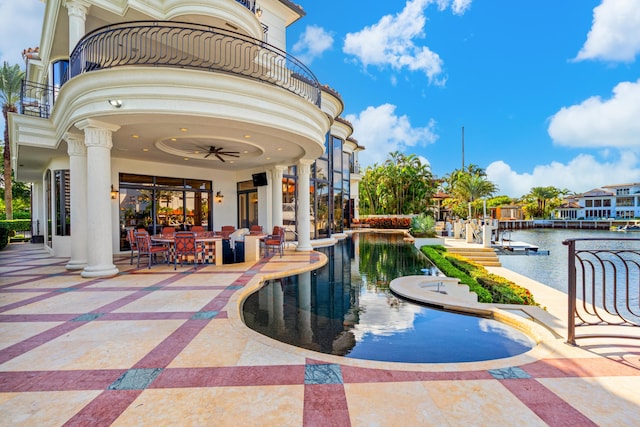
<point x="194" y="46"/>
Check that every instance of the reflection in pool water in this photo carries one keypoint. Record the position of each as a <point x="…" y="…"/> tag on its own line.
<point x="346" y="308"/>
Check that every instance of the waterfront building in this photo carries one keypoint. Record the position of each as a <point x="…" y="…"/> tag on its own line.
<point x="177" y="113"/>
<point x="608" y="202"/>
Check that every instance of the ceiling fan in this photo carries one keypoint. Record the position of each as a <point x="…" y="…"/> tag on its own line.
<point x="219" y="152"/>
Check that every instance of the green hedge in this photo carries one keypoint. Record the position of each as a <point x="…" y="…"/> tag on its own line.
<point x="449" y="270"/>
<point x="4" y="236"/>
<point x="489" y="287"/>
<point x="16" y="225"/>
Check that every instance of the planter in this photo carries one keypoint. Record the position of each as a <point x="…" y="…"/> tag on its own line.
<point x="428" y="241"/>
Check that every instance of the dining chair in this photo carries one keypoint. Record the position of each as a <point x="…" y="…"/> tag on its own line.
<point x="274" y="241"/>
<point x="148" y="248"/>
<point x="168" y="231"/>
<point x="255" y="229"/>
<point x="197" y="229"/>
<point x="184" y="245"/>
<point x="133" y="245"/>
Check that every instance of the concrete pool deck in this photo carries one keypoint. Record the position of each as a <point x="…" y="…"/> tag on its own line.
<point x="163" y="347"/>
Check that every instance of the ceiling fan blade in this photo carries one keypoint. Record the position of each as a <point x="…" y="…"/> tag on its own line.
<point x="220" y="158"/>
<point x="207" y="155"/>
<point x="230" y="153"/>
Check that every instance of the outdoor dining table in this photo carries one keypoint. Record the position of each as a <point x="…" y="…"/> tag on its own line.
<point x="213" y="246"/>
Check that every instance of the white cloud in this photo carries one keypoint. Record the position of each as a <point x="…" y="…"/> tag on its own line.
<point x="20" y="24"/>
<point x="601" y="123"/>
<point x="581" y="174"/>
<point x="381" y="131"/>
<point x="391" y="41"/>
<point x="615" y="33"/>
<point x="312" y="44"/>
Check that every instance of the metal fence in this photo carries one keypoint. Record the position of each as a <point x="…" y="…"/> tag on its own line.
<point x="603" y="287"/>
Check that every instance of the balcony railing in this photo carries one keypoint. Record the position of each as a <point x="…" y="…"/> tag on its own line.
<point x="177" y="45"/>
<point x="604" y="287"/>
<point x="186" y="45"/>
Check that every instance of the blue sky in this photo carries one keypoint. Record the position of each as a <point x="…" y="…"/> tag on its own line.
<point x="548" y="91"/>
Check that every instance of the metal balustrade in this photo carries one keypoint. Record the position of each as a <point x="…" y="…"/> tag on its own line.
<point x="177" y="45"/>
<point x="603" y="287"/>
<point x="186" y="45"/>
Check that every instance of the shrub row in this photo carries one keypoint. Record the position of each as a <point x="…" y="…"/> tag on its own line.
<point x="16" y="225"/>
<point x="489" y="287"/>
<point x="502" y="291"/>
<point x="4" y="237"/>
<point x="449" y="270"/>
<point x="386" y="222"/>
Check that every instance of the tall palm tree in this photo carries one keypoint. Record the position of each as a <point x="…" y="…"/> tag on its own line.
<point x="10" y="80"/>
<point x="469" y="188"/>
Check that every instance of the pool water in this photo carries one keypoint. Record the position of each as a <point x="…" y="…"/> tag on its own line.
<point x="346" y="308"/>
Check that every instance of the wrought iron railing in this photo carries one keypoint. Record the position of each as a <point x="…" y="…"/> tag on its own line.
<point x="249" y="4"/>
<point x="36" y="99"/>
<point x="186" y="45"/>
<point x="603" y="287"/>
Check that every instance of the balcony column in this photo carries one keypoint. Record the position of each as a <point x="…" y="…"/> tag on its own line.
<point x="302" y="214"/>
<point x="77" y="11"/>
<point x="276" y="194"/>
<point x="78" y="187"/>
<point x="97" y="138"/>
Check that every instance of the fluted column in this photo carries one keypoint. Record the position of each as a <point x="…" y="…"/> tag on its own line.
<point x="276" y="194"/>
<point x="77" y="11"/>
<point x="303" y="217"/>
<point x="97" y="138"/>
<point x="304" y="313"/>
<point x="78" y="172"/>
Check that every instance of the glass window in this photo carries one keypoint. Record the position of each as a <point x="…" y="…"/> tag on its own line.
<point x="337" y="154"/>
<point x="163" y="181"/>
<point x="320" y="169"/>
<point x="62" y="202"/>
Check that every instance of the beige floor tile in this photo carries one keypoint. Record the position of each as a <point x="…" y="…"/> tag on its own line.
<point x="35" y="408"/>
<point x="164" y="300"/>
<point x="96" y="345"/>
<point x="215" y="345"/>
<point x="6" y="298"/>
<point x="392" y="404"/>
<point x="259" y="354"/>
<point x="70" y="302"/>
<point x="608" y="401"/>
<point x="480" y="403"/>
<point x="14" y="332"/>
<point x="224" y="406"/>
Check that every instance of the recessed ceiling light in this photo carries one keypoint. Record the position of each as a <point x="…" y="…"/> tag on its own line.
<point x="145" y="149"/>
<point x="247" y="136"/>
<point x="268" y="158"/>
<point x="279" y="148"/>
<point x="183" y="129"/>
<point x="186" y="158"/>
<point x="245" y="152"/>
<point x="232" y="161"/>
<point x="196" y="152"/>
<point x="173" y="139"/>
<point x="135" y="136"/>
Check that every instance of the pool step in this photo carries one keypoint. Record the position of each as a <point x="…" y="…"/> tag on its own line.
<point x="486" y="257"/>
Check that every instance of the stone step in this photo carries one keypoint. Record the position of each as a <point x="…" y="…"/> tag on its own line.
<point x="486" y="257"/>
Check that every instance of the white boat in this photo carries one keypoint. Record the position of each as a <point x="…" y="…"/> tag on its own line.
<point x="630" y="227"/>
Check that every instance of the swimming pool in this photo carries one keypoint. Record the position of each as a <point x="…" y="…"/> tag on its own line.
<point x="346" y="308"/>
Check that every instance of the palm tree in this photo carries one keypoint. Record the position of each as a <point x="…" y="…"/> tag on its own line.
<point x="469" y="188"/>
<point x="10" y="82"/>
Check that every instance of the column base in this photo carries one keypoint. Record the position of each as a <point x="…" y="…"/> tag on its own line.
<point x="304" y="248"/>
<point x="100" y="271"/>
<point x="76" y="264"/>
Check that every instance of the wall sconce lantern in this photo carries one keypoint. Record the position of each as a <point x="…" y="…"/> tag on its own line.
<point x="219" y="197"/>
<point x="259" y="12"/>
<point x="114" y="192"/>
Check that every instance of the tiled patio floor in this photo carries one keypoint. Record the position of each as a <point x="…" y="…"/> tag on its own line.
<point x="161" y="347"/>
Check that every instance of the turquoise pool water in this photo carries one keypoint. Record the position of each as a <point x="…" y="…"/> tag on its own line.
<point x="346" y="308"/>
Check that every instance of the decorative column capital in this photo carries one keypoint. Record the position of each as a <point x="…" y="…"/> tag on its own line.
<point x="75" y="144"/>
<point x="304" y="166"/>
<point x="77" y="8"/>
<point x="96" y="133"/>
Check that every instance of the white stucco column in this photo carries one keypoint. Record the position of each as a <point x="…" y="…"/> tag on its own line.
<point x="78" y="171"/>
<point x="97" y="138"/>
<point x="77" y="11"/>
<point x="302" y="214"/>
<point x="276" y="194"/>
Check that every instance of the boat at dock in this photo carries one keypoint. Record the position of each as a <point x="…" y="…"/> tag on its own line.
<point x="629" y="227"/>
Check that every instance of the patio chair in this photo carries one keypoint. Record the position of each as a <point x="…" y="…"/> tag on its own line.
<point x="133" y="245"/>
<point x="274" y="241"/>
<point x="168" y="231"/>
<point x="197" y="229"/>
<point x="148" y="248"/>
<point x="256" y="229"/>
<point x="184" y="244"/>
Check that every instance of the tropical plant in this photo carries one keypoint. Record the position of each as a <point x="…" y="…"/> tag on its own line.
<point x="10" y="82"/>
<point x="467" y="188"/>
<point x="542" y="200"/>
<point x="402" y="185"/>
<point x="423" y="226"/>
